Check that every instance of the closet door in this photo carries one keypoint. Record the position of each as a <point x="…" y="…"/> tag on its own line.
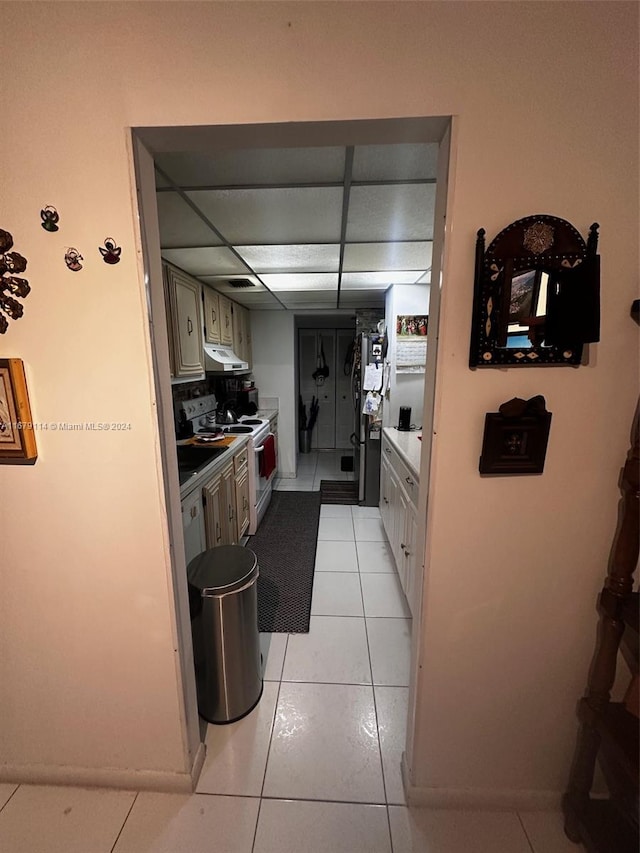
<point x="306" y="366"/>
<point x="345" y="418"/>
<point x="325" y="431"/>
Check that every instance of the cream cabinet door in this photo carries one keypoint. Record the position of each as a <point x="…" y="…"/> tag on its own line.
<point x="193" y="526"/>
<point x="242" y="500"/>
<point x="238" y="330"/>
<point x="228" y="486"/>
<point x="408" y="548"/>
<point x="211" y="305"/>
<point x="248" y="354"/>
<point x="186" y="320"/>
<point x="226" y="327"/>
<point x="214" y="513"/>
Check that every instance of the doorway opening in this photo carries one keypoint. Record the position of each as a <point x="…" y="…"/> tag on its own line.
<point x="287" y="335"/>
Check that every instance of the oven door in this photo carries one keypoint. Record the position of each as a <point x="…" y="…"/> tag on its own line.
<point x="261" y="476"/>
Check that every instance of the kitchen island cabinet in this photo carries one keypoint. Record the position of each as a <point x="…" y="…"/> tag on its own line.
<point x="399" y="505"/>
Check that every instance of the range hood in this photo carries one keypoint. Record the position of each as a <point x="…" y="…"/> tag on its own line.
<point x="222" y="360"/>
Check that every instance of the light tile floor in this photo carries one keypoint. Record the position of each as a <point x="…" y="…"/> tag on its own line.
<point x="313" y="467"/>
<point x="315" y="767"/>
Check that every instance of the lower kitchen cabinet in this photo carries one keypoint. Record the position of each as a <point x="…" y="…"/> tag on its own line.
<point x="399" y="511"/>
<point x="193" y="526"/>
<point x="214" y="512"/>
<point x="217" y="513"/>
<point x="220" y="508"/>
<point x="241" y="469"/>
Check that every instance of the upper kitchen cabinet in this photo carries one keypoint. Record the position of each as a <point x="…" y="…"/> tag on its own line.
<point x="242" y="333"/>
<point x="211" y="305"/>
<point x="185" y="322"/>
<point x="226" y="321"/>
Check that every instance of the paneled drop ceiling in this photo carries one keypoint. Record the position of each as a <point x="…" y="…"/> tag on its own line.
<point x="309" y="228"/>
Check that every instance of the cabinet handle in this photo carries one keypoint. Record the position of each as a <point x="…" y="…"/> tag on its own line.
<point x="189" y="326"/>
<point x="410" y="481"/>
<point x="385" y="500"/>
<point x="386" y="450"/>
<point x="194" y="511"/>
<point x="218" y="532"/>
<point x="213" y="317"/>
<point x="402" y="546"/>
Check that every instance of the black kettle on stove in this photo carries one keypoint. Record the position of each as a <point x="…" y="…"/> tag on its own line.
<point x="226" y="414"/>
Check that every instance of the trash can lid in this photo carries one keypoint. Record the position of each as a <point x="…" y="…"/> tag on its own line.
<point x="222" y="569"/>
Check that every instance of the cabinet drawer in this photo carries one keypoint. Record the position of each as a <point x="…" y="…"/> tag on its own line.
<point x="241" y="460"/>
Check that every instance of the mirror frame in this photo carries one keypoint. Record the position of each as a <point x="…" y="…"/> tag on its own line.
<point x="539" y="243"/>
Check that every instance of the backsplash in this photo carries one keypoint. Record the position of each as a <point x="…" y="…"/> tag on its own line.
<point x="224" y="387"/>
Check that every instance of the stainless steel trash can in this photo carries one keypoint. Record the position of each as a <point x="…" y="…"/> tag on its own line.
<point x="224" y="620"/>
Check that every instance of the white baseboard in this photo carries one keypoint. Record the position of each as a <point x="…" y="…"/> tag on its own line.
<point x="106" y="777"/>
<point x="286" y="475"/>
<point x="483" y="799"/>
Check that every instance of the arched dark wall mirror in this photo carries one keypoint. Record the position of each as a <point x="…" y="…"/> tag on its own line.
<point x="536" y="294"/>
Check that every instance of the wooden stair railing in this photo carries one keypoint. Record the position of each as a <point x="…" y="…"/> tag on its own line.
<point x="609" y="730"/>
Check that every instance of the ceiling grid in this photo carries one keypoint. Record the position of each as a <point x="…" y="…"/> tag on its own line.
<point x="317" y="228"/>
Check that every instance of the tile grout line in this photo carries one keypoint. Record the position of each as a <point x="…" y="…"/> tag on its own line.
<point x="373" y="693"/>
<point x="266" y="763"/>
<point x="124" y="822"/>
<point x="526" y="834"/>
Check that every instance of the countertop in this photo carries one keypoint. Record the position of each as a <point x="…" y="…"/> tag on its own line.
<point x="408" y="446"/>
<point x="267" y="414"/>
<point x="198" y="478"/>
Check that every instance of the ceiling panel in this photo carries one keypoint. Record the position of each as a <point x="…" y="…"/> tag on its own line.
<point x="396" y="212"/>
<point x="368" y="299"/>
<point x="208" y="261"/>
<point x="221" y="283"/>
<point x="303" y="258"/>
<point x="328" y="297"/>
<point x="251" y="299"/>
<point x="244" y="167"/>
<point x="180" y="226"/>
<point x="363" y="280"/>
<point x="395" y="162"/>
<point x="387" y="256"/>
<point x="277" y="216"/>
<point x="301" y="281"/>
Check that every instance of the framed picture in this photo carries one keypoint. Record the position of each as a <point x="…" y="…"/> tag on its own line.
<point x="17" y="435"/>
<point x="514" y="445"/>
<point x="410" y="326"/>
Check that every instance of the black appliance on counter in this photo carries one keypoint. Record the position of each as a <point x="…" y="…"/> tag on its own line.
<point x="247" y="401"/>
<point x="404" y="420"/>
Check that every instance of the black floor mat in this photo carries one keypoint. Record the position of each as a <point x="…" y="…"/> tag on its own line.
<point x="338" y="492"/>
<point x="285" y="546"/>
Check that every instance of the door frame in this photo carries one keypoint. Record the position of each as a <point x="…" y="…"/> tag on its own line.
<point x="303" y="134"/>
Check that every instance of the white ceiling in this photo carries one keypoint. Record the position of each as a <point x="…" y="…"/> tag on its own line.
<point x="313" y="228"/>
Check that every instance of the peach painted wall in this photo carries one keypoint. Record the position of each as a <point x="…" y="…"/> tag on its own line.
<point x="545" y="99"/>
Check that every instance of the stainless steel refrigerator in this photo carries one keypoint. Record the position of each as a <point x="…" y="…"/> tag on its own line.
<point x="367" y="435"/>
